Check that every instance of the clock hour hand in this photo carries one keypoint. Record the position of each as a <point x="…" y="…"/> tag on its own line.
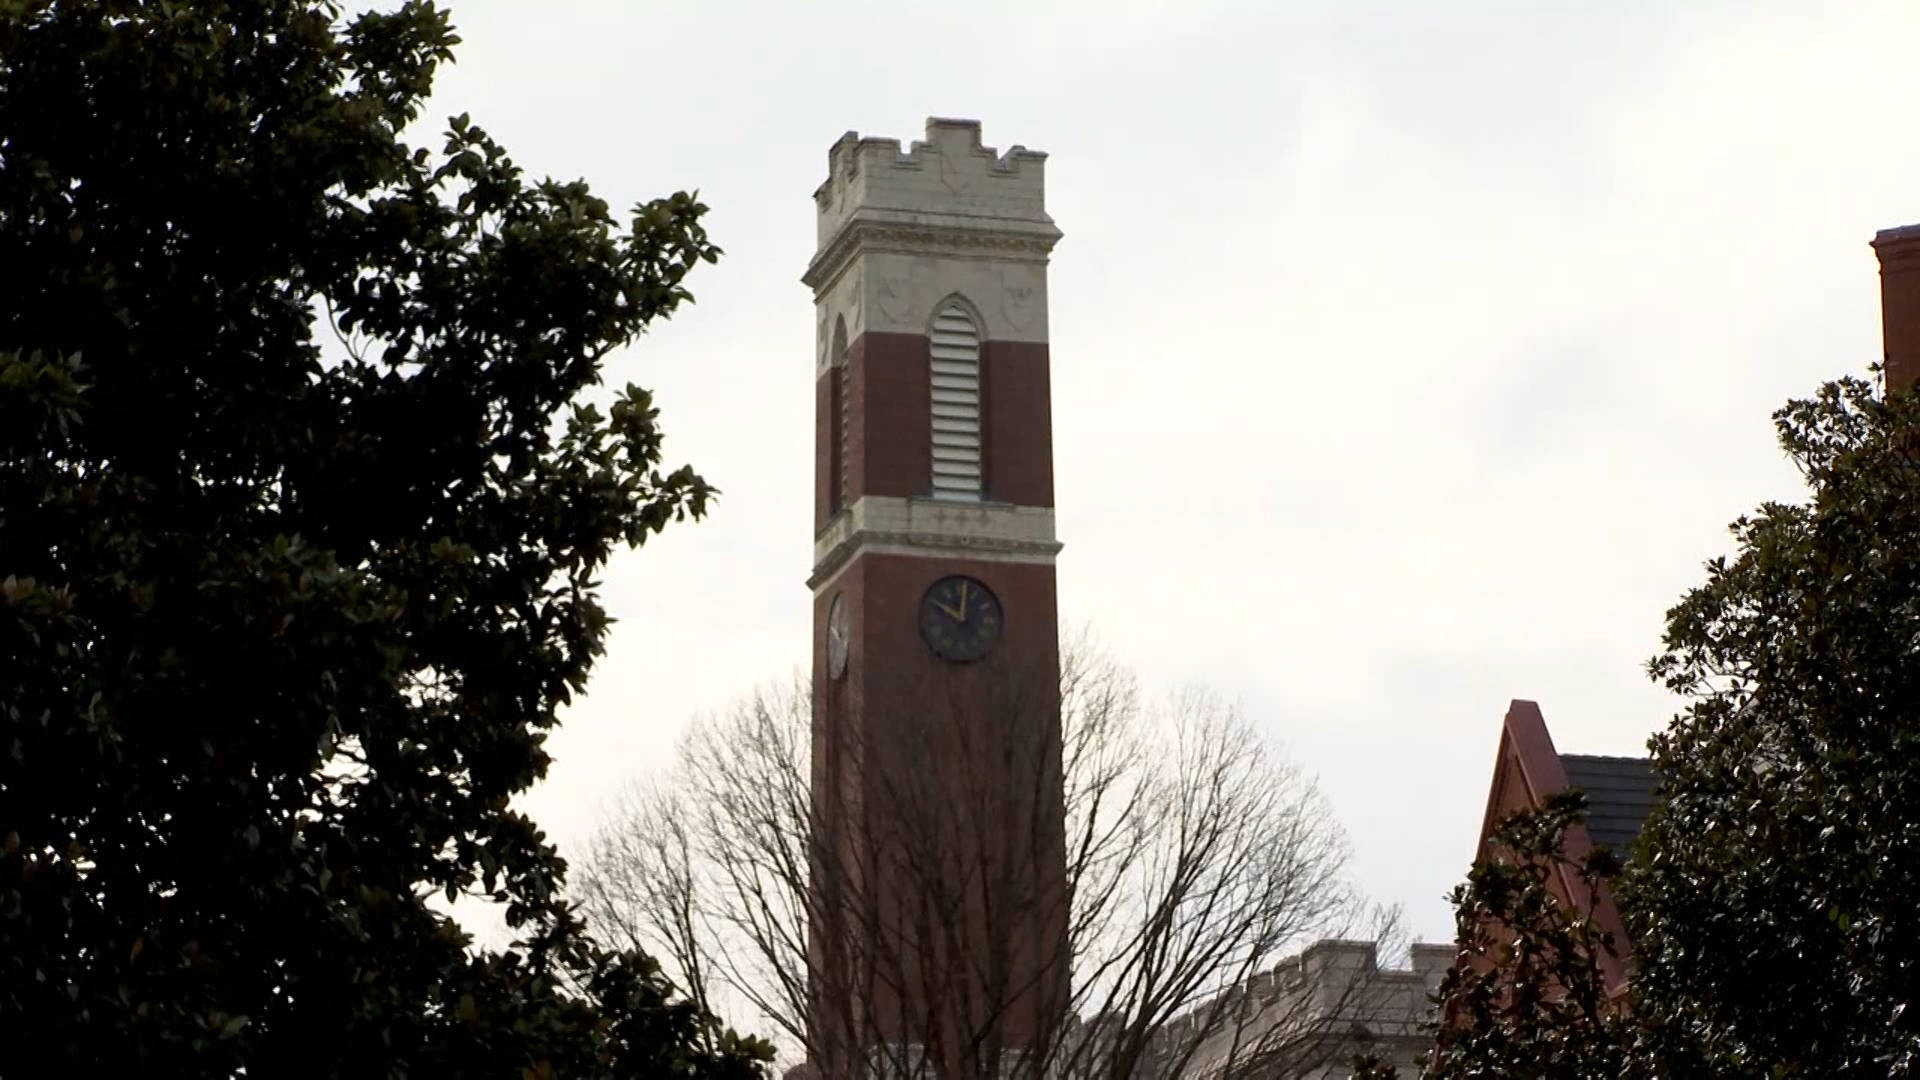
<point x="957" y="614"/>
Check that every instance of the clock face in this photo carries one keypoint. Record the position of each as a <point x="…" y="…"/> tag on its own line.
<point x="959" y="618"/>
<point x="838" y="635"/>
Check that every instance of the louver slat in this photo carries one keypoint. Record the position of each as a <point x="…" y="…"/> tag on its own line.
<point x="956" y="405"/>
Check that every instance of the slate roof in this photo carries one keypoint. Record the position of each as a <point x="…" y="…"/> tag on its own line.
<point x="1619" y="794"/>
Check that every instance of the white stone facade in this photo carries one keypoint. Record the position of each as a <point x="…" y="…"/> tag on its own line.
<point x="901" y="232"/>
<point x="988" y="532"/>
<point x="1332" y="1001"/>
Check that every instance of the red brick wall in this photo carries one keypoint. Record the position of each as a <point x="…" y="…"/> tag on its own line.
<point x="1526" y="770"/>
<point x="1899" y="252"/>
<point x="892" y="415"/>
<point x="956" y="732"/>
<point x="1018" y="423"/>
<point x="889" y="376"/>
<point x="823" y="449"/>
<point x="902" y="721"/>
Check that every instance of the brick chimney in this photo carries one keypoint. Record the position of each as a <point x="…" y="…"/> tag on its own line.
<point x="1899" y="252"/>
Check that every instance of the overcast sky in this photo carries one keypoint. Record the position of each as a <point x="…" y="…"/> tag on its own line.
<point x="1407" y="357"/>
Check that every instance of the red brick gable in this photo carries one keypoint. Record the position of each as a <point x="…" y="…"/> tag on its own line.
<point x="1526" y="771"/>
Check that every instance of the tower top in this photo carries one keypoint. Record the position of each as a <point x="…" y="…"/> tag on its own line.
<point x="946" y="180"/>
<point x="1899" y="252"/>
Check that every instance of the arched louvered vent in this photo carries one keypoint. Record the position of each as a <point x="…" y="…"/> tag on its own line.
<point x="956" y="405"/>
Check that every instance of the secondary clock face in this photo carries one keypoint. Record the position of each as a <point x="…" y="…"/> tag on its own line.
<point x="959" y="618"/>
<point x="838" y="634"/>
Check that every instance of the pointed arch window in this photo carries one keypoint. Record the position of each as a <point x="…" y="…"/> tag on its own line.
<point x="956" y="404"/>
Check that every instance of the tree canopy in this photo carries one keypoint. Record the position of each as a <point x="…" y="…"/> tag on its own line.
<point x="1773" y="910"/>
<point x="284" y="627"/>
<point x="1771" y="894"/>
<point x="1526" y="995"/>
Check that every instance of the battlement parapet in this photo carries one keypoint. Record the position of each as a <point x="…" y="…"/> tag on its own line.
<point x="946" y="180"/>
<point x="1327" y="1001"/>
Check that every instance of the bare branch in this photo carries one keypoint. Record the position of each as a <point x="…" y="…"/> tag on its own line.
<point x="1084" y="886"/>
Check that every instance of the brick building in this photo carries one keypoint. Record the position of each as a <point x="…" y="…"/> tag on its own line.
<point x="1317" y="1010"/>
<point x="1621" y="790"/>
<point x="935" y="650"/>
<point x="938" y="926"/>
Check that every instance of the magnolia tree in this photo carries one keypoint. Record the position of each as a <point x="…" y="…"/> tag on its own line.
<point x="1770" y="895"/>
<point x="284" y="629"/>
<point x="1527" y="994"/>
<point x="1195" y="856"/>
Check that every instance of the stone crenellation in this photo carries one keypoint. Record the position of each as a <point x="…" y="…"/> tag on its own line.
<point x="944" y="179"/>
<point x="1333" y="999"/>
<point x="903" y="232"/>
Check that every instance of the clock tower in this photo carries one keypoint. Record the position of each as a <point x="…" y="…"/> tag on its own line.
<point x="938" y="920"/>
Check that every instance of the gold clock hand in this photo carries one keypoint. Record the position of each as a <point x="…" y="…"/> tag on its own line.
<point x="963" y="602"/>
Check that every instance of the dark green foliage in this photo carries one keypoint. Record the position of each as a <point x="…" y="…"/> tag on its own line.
<point x="1526" y="996"/>
<point x="1776" y="919"/>
<point x="1774" y="896"/>
<point x="282" y="636"/>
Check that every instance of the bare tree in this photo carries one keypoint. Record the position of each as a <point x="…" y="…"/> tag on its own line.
<point x="823" y="881"/>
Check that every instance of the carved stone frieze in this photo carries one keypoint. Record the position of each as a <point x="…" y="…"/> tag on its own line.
<point x="890" y="279"/>
<point x="860" y="238"/>
<point x="986" y="531"/>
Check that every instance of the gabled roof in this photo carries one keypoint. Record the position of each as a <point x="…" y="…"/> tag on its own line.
<point x="1619" y="793"/>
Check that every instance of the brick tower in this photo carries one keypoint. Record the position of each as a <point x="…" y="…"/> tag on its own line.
<point x="937" y="933"/>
